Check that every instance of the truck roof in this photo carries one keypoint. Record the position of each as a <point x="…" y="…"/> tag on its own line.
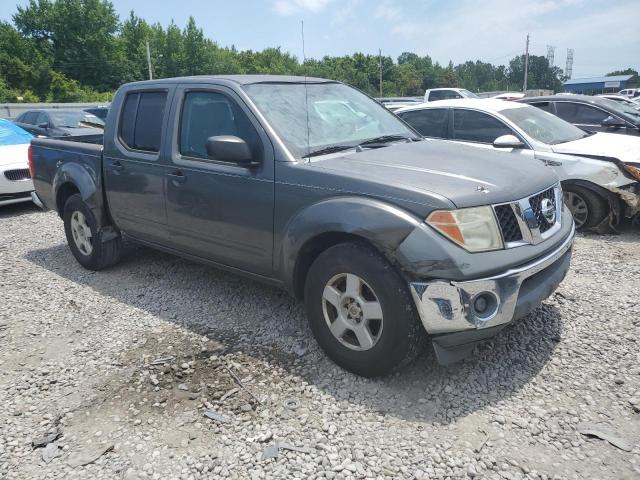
<point x="239" y="79"/>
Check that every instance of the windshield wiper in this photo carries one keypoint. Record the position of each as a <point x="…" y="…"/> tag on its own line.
<point x="327" y="150"/>
<point x="384" y="139"/>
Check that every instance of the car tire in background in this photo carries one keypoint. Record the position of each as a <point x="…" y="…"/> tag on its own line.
<point x="360" y="310"/>
<point x="80" y="227"/>
<point x="588" y="208"/>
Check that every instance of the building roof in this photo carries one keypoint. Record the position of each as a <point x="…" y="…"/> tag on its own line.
<point x="613" y="78"/>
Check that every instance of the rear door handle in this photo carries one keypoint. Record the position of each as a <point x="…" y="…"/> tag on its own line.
<point x="177" y="177"/>
<point x="117" y="166"/>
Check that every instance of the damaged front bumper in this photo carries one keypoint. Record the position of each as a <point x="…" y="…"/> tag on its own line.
<point x="459" y="314"/>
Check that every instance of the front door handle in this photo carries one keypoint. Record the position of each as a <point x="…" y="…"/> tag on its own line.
<point x="177" y="177"/>
<point x="117" y="166"/>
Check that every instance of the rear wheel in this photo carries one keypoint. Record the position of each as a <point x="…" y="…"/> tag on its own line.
<point x="84" y="240"/>
<point x="360" y="310"/>
<point x="588" y="208"/>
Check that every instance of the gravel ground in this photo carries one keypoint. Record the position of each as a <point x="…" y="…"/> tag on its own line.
<point x="122" y="365"/>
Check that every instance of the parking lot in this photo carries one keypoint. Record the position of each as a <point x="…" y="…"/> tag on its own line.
<point x="125" y="363"/>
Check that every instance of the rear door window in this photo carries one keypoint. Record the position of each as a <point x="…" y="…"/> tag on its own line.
<point x="430" y="122"/>
<point x="580" y="114"/>
<point x="141" y="120"/>
<point x="209" y="114"/>
<point x="546" y="106"/>
<point x="437" y="95"/>
<point x="472" y="126"/>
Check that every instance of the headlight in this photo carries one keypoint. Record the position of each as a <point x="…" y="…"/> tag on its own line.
<point x="474" y="229"/>
<point x="633" y="170"/>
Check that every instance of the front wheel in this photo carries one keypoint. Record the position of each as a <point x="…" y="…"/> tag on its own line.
<point x="588" y="208"/>
<point x="360" y="310"/>
<point x="82" y="233"/>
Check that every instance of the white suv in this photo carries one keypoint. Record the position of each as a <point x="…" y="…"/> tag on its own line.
<point x="434" y="94"/>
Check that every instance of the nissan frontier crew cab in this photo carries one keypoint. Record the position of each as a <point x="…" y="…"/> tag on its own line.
<point x="313" y="186"/>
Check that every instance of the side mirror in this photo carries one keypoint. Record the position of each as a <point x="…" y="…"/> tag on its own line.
<point x="612" y="122"/>
<point x="229" y="148"/>
<point x="43" y="125"/>
<point x="508" y="141"/>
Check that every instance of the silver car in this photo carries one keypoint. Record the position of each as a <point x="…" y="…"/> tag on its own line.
<point x="15" y="182"/>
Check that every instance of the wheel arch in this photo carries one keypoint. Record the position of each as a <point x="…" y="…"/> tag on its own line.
<point x="74" y="178"/>
<point x="327" y="223"/>
<point x="613" y="199"/>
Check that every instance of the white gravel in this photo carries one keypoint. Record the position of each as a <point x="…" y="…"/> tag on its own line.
<point x="77" y="352"/>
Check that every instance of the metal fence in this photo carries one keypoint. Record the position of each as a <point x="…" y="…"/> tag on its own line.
<point x="12" y="110"/>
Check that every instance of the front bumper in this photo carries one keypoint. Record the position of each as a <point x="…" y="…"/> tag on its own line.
<point x="447" y="307"/>
<point x="14" y="191"/>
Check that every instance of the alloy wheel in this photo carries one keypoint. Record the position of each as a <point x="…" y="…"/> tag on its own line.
<point x="352" y="311"/>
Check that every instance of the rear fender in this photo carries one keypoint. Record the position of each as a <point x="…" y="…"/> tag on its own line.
<point x="87" y="181"/>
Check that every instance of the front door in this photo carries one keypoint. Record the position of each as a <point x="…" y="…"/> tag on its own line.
<point x="218" y="210"/>
<point x="133" y="172"/>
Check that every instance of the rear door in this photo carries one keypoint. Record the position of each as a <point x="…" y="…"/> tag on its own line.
<point x="133" y="172"/>
<point x="218" y="210"/>
<point x="583" y="116"/>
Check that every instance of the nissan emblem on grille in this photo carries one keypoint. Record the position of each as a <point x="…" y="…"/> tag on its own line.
<point x="548" y="210"/>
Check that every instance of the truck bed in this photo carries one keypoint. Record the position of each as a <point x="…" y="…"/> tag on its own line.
<point x="55" y="160"/>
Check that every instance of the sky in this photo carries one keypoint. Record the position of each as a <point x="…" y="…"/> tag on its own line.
<point x="605" y="36"/>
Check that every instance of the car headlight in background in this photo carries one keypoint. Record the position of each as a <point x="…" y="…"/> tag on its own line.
<point x="633" y="169"/>
<point x="474" y="229"/>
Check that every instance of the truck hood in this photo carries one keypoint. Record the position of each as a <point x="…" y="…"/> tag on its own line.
<point x="623" y="147"/>
<point x="466" y="175"/>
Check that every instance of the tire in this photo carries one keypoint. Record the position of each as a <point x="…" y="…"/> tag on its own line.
<point x="397" y="337"/>
<point x="92" y="253"/>
<point x="588" y="208"/>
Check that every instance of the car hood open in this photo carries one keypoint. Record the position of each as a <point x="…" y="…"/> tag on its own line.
<point x="465" y="175"/>
<point x="623" y="147"/>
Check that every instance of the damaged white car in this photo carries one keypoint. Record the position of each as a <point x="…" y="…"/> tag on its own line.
<point x="600" y="172"/>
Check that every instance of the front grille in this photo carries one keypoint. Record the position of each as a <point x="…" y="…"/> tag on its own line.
<point x="536" y="202"/>
<point x="19" y="174"/>
<point x="508" y="223"/>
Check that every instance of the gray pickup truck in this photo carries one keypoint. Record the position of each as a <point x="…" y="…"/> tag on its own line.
<point x="311" y="185"/>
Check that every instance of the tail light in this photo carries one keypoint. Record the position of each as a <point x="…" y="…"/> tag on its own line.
<point x="32" y="167"/>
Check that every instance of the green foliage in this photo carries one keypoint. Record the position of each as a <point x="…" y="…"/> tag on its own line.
<point x="72" y="50"/>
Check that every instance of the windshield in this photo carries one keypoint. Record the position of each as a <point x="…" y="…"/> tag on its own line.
<point x="623" y="110"/>
<point x="66" y="119"/>
<point x="543" y="126"/>
<point x="467" y="94"/>
<point x="338" y="115"/>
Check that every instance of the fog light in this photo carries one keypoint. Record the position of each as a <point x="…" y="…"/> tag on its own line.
<point x="485" y="305"/>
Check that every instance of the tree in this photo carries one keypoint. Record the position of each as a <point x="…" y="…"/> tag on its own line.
<point x="540" y="75"/>
<point x="81" y="36"/>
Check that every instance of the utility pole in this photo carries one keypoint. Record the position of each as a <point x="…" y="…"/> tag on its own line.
<point x="149" y="61"/>
<point x="526" y="65"/>
<point x="380" y="61"/>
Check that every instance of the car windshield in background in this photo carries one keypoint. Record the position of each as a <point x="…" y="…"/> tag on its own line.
<point x="468" y="94"/>
<point x="622" y="110"/>
<point x="64" y="119"/>
<point x="338" y="115"/>
<point x="543" y="126"/>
